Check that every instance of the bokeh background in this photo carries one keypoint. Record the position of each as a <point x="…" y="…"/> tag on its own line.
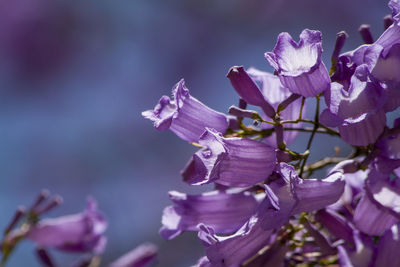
<point x="75" y="76"/>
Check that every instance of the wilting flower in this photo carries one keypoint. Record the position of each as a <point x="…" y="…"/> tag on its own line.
<point x="299" y="65"/>
<point x="186" y="116"/>
<point x="230" y="161"/>
<point x="80" y="232"/>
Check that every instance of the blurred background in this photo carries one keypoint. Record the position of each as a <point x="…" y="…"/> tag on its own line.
<point x="75" y="76"/>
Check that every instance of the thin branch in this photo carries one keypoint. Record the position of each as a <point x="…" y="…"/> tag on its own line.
<point x="316" y="125"/>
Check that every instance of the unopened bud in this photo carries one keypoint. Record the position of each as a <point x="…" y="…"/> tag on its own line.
<point x="366" y="34"/>
<point x="387" y="21"/>
<point x="19" y="213"/>
<point x="56" y="201"/>
<point x="44" y="257"/>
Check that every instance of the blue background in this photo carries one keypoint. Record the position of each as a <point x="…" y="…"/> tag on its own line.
<point x="75" y="76"/>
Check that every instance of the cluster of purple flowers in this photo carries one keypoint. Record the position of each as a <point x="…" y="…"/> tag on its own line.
<point x="80" y="233"/>
<point x="266" y="210"/>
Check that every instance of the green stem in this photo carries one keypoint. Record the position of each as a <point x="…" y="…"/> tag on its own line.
<point x="316" y="125"/>
<point x="310" y="168"/>
<point x="310" y="130"/>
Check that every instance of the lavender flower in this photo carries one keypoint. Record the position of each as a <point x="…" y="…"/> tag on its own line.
<point x="230" y="161"/>
<point x="275" y="93"/>
<point x="379" y="208"/>
<point x="299" y="65"/>
<point x="382" y="58"/>
<point x="357" y="111"/>
<point x="388" y="158"/>
<point x="293" y="195"/>
<point x="234" y="249"/>
<point x="80" y="232"/>
<point x="388" y="248"/>
<point x="224" y="211"/>
<point x="186" y="116"/>
<point x="336" y="224"/>
<point x="248" y="90"/>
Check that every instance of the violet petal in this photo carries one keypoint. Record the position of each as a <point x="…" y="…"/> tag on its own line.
<point x="230" y="161"/>
<point x="224" y="211"/>
<point x="299" y="65"/>
<point x="186" y="116"/>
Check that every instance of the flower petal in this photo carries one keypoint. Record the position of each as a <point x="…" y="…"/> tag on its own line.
<point x="388" y="248"/>
<point x="186" y="116"/>
<point x="236" y="162"/>
<point x="336" y="224"/>
<point x="299" y="65"/>
<point x="223" y="211"/>
<point x="78" y="232"/>
<point x="235" y="249"/>
<point x="372" y="219"/>
<point x="248" y="90"/>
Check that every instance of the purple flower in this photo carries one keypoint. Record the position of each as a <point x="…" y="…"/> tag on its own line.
<point x="293" y="195"/>
<point x="249" y="91"/>
<point x="387" y="253"/>
<point x="186" y="116"/>
<point x="336" y="224"/>
<point x="273" y="256"/>
<point x="141" y="256"/>
<point x="275" y="93"/>
<point x="382" y="59"/>
<point x="379" y="208"/>
<point x="80" y="232"/>
<point x="230" y="161"/>
<point x="357" y="111"/>
<point x="389" y="149"/>
<point x="394" y="5"/>
<point x="360" y="254"/>
<point x="299" y="65"/>
<point x="223" y="211"/>
<point x="235" y="249"/>
<point x="389" y="144"/>
<point x="365" y="253"/>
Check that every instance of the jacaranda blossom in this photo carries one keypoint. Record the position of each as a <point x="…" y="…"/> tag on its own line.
<point x="299" y="65"/>
<point x="292" y="195"/>
<point x="275" y="93"/>
<point x="224" y="211"/>
<point x="358" y="111"/>
<point x="82" y="232"/>
<point x="186" y="116"/>
<point x="379" y="208"/>
<point x="232" y="161"/>
<point x="248" y="90"/>
<point x="235" y="249"/>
